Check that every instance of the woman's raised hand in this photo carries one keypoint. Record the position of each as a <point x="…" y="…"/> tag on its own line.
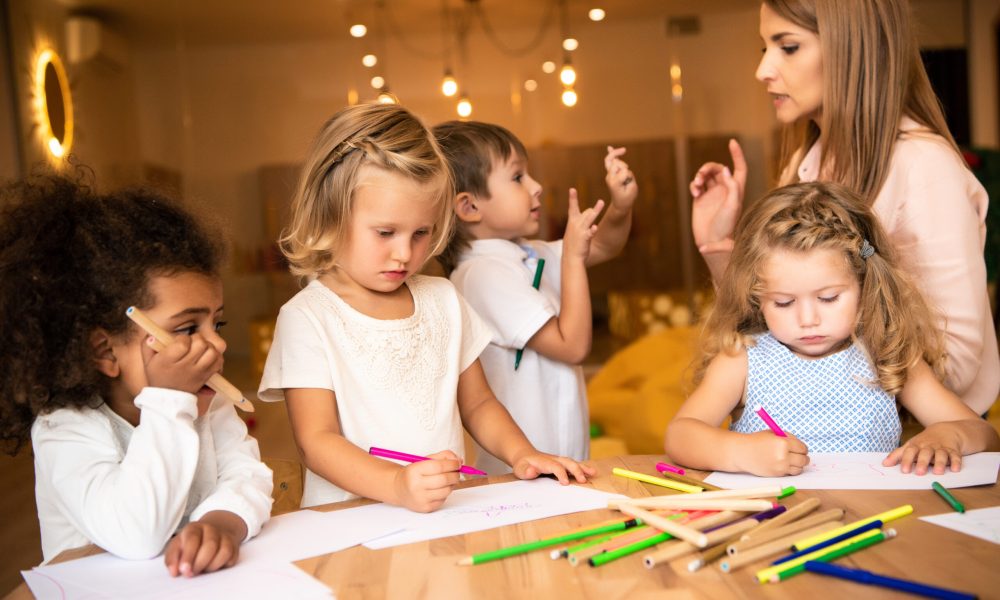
<point x="718" y="200"/>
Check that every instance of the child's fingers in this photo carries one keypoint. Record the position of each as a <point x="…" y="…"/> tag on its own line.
<point x="445" y="455"/>
<point x="435" y="466"/>
<point x="441" y="481"/>
<point x="209" y="547"/>
<point x="893" y="458"/>
<point x="574" y="204"/>
<point x="907" y="458"/>
<point x="189" y="540"/>
<point x="225" y="555"/>
<point x="924" y="458"/>
<point x="574" y="468"/>
<point x="172" y="557"/>
<point x="956" y="460"/>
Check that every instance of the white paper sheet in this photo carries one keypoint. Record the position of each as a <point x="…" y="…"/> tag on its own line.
<point x="264" y="566"/>
<point x="106" y="576"/>
<point x="864" y="471"/>
<point x="983" y="523"/>
<point x="489" y="506"/>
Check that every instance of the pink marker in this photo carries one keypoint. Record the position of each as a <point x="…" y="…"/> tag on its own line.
<point x="770" y="422"/>
<point x="663" y="467"/>
<point x="414" y="458"/>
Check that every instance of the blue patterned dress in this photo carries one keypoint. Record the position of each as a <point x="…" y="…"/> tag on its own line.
<point x="832" y="404"/>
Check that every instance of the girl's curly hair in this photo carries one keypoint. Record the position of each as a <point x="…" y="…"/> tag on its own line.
<point x="72" y="261"/>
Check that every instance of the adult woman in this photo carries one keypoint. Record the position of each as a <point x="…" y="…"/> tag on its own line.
<point x="859" y="110"/>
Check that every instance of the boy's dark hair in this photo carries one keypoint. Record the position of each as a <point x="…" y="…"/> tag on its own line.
<point x="72" y="261"/>
<point x="472" y="148"/>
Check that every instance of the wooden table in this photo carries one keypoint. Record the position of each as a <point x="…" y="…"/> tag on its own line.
<point x="921" y="551"/>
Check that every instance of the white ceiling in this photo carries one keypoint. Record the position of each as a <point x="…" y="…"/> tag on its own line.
<point x="275" y="21"/>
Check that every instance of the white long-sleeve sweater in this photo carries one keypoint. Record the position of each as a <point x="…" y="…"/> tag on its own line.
<point x="127" y="489"/>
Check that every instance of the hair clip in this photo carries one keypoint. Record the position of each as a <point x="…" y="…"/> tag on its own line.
<point x="341" y="152"/>
<point x="866" y="249"/>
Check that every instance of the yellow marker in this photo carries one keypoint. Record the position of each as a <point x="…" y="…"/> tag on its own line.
<point x="885" y="517"/>
<point x="764" y="575"/>
<point x="667" y="483"/>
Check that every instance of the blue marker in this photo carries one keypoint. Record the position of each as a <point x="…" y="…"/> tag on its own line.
<point x="869" y="578"/>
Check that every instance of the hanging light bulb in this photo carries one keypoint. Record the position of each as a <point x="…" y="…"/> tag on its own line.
<point x="386" y="97"/>
<point x="449" y="87"/>
<point x="378" y="82"/>
<point x="549" y="66"/>
<point x="596" y="14"/>
<point x="569" y="97"/>
<point x="530" y="85"/>
<point x="358" y="30"/>
<point x="369" y="60"/>
<point x="568" y="74"/>
<point x="464" y="107"/>
<point x="570" y="44"/>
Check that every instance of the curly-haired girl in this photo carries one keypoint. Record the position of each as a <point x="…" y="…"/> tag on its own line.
<point x="816" y="322"/>
<point x="130" y="446"/>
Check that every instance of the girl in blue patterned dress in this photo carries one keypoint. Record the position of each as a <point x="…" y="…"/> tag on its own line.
<point x="816" y="323"/>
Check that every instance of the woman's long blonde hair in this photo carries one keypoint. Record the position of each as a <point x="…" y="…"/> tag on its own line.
<point x="872" y="77"/>
<point x="895" y="325"/>
<point x="385" y="136"/>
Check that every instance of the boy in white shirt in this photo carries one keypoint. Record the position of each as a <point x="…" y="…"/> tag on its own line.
<point x="543" y="330"/>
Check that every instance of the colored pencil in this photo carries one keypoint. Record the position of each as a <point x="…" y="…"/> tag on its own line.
<point x="690" y="481"/>
<point x="876" y="524"/>
<point x="163" y="339"/>
<point x="780" y="572"/>
<point x="834" y="553"/>
<point x="535" y="284"/>
<point x="667" y="483"/>
<point x="770" y="422"/>
<point x="718" y="537"/>
<point x="544" y="543"/>
<point x="692" y="502"/>
<point x="771" y="548"/>
<point x="620" y="541"/>
<point x="792" y="514"/>
<point x="606" y="557"/>
<point x="663" y="467"/>
<point x="676" y="530"/>
<point x="798" y="529"/>
<point x="944" y="493"/>
<point x="869" y="578"/>
<point x="382" y="452"/>
<point x="889" y="515"/>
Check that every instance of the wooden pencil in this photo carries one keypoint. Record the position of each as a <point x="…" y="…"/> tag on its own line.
<point x="217" y="382"/>
<point x="802" y="524"/>
<point x="777" y="546"/>
<point x="792" y="514"/>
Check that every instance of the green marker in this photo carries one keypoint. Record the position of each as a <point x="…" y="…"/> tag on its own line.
<point x="798" y="566"/>
<point x="536" y="545"/>
<point x="537" y="282"/>
<point x="606" y="557"/>
<point x="944" y="493"/>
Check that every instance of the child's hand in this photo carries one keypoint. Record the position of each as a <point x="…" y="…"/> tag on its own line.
<point x="201" y="547"/>
<point x="621" y="181"/>
<point x="424" y="486"/>
<point x="718" y="199"/>
<point x="532" y="464"/>
<point x="767" y="455"/>
<point x="185" y="365"/>
<point x="580" y="228"/>
<point x="938" y="444"/>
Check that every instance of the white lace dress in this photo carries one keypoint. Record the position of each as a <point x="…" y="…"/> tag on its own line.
<point x="395" y="380"/>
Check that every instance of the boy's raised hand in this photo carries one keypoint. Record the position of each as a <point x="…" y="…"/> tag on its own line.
<point x="580" y="227"/>
<point x="185" y="364"/>
<point x="424" y="486"/>
<point x="767" y="455"/>
<point x="533" y="463"/>
<point x="620" y="180"/>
